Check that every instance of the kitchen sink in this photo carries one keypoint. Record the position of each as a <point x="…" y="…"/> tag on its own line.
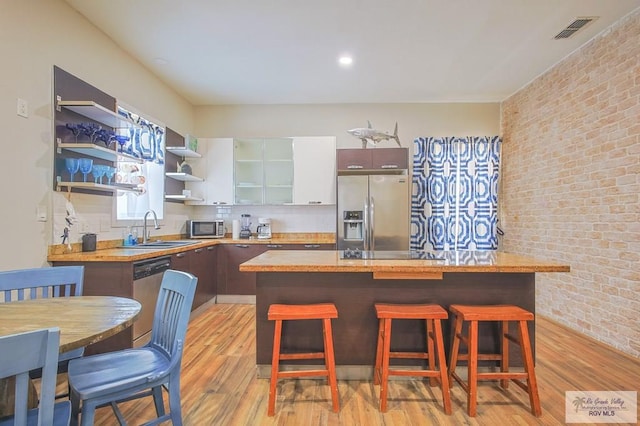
<point x="162" y="244"/>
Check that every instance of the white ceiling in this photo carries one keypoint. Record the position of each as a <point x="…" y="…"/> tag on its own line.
<point x="285" y="51"/>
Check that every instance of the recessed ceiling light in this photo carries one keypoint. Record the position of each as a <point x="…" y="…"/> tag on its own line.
<point x="345" y="60"/>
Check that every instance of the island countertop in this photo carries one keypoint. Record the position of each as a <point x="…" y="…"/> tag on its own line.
<point x="450" y="261"/>
<point x="356" y="285"/>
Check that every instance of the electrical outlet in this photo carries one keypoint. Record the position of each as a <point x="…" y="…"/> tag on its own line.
<point x="23" y="108"/>
<point x="84" y="227"/>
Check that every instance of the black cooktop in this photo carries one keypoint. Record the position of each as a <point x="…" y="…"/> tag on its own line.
<point x="390" y="255"/>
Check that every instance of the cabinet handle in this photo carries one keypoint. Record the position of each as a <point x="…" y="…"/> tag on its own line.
<point x="218" y="202"/>
<point x="389" y="166"/>
<point x="242" y="245"/>
<point x="315" y="202"/>
<point x="180" y="255"/>
<point x="210" y="248"/>
<point x="312" y="246"/>
<point x="197" y="250"/>
<point x="274" y="245"/>
<point x="354" y="166"/>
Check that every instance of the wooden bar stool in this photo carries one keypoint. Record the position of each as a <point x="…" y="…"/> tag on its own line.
<point x="321" y="311"/>
<point x="432" y="314"/>
<point x="503" y="314"/>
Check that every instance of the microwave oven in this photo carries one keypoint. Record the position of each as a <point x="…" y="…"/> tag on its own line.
<point x="205" y="228"/>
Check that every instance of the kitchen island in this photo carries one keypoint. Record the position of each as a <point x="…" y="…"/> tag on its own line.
<point x="355" y="285"/>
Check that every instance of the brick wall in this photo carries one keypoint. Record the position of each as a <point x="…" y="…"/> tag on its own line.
<point x="571" y="185"/>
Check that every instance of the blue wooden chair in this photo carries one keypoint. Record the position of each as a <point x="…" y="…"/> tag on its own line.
<point x="113" y="377"/>
<point x="21" y="353"/>
<point x="63" y="281"/>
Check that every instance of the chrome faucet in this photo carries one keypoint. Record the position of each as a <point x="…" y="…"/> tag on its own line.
<point x="145" y="235"/>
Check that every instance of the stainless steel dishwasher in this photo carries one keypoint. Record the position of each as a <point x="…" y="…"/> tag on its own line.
<point x="147" y="278"/>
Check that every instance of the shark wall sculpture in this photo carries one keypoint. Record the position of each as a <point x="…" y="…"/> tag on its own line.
<point x="369" y="134"/>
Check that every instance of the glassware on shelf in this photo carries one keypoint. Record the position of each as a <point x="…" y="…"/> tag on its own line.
<point x="72" y="165"/>
<point x="86" y="164"/>
<point x="98" y="171"/>
<point x="110" y="173"/>
<point x="106" y="136"/>
<point x="91" y="130"/>
<point x="122" y="141"/>
<point x="75" y="129"/>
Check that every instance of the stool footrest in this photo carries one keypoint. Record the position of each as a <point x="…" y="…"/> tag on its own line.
<point x="309" y="355"/>
<point x="419" y="373"/>
<point x="302" y="373"/>
<point x="409" y="355"/>
<point x="481" y="357"/>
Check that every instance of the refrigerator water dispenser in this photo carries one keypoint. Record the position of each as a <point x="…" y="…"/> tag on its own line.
<point x="353" y="225"/>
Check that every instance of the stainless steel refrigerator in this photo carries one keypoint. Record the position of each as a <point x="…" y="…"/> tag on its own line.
<point x="373" y="212"/>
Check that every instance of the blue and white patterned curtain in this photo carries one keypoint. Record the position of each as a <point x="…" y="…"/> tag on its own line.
<point x="454" y="203"/>
<point x="146" y="141"/>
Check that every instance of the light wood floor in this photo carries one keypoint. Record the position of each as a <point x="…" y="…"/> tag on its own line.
<point x="220" y="387"/>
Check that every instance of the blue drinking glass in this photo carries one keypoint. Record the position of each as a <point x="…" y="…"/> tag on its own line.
<point x="110" y="173"/>
<point x="72" y="165"/>
<point x="86" y="164"/>
<point x="98" y="171"/>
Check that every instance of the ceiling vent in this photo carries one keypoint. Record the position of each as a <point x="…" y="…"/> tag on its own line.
<point x="576" y="25"/>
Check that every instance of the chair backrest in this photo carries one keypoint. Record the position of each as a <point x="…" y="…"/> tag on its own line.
<point x="171" y="316"/>
<point x="20" y="353"/>
<point x="36" y="283"/>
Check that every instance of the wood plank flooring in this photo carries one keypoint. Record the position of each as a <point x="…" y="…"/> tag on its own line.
<point x="220" y="387"/>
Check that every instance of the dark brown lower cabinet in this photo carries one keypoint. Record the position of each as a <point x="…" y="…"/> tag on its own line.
<point x="200" y="262"/>
<point x="232" y="281"/>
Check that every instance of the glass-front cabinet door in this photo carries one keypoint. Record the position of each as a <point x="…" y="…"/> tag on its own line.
<point x="278" y="171"/>
<point x="263" y="171"/>
<point x="248" y="171"/>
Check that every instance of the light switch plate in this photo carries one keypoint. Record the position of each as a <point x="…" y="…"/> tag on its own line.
<point x="23" y="108"/>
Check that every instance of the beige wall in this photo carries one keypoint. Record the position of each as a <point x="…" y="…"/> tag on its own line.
<point x="571" y="185"/>
<point x="414" y="120"/>
<point x="34" y="36"/>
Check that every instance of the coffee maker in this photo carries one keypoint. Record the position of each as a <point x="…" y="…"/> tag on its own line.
<point x="264" y="228"/>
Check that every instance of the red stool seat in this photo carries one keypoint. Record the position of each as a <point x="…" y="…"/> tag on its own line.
<point x="321" y="311"/>
<point x="432" y="314"/>
<point x="504" y="314"/>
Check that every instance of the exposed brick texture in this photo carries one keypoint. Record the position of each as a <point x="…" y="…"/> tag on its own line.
<point x="571" y="185"/>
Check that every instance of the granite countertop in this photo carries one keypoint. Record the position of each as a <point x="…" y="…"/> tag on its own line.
<point x="452" y="261"/>
<point x="111" y="251"/>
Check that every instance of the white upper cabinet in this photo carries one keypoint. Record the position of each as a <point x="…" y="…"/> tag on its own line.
<point x="216" y="167"/>
<point x="265" y="171"/>
<point x="314" y="170"/>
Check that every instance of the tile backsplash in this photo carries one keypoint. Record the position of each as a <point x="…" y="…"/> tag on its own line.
<point x="283" y="218"/>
